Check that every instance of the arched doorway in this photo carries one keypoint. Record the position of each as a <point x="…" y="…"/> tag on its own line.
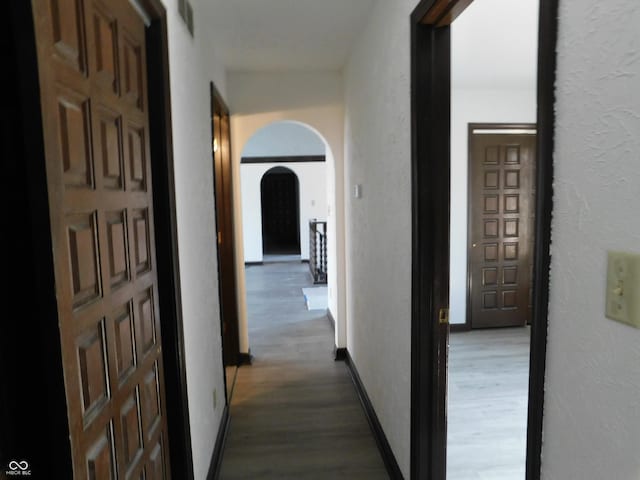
<point x="280" y="206"/>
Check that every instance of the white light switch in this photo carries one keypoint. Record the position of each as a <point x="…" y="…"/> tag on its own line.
<point x="357" y="191"/>
<point x="623" y="288"/>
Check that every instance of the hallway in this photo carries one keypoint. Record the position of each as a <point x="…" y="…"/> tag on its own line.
<point x="294" y="411"/>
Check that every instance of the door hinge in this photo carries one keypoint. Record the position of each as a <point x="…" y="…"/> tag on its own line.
<point x="443" y="317"/>
<point x="219" y="238"/>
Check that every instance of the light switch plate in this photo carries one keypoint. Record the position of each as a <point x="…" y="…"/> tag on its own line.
<point x="623" y="288"/>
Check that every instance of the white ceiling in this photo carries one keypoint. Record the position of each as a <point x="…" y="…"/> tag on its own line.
<point x="275" y="35"/>
<point x="494" y="43"/>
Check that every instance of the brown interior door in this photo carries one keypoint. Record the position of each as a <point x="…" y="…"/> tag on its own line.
<point x="91" y="57"/>
<point x="501" y="207"/>
<point x="223" y="185"/>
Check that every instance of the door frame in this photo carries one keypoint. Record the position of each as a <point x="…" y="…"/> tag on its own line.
<point x="467" y="325"/>
<point x="46" y="355"/>
<point x="226" y="244"/>
<point x="430" y="136"/>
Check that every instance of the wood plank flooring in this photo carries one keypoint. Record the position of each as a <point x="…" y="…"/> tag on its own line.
<point x="488" y="395"/>
<point x="295" y="413"/>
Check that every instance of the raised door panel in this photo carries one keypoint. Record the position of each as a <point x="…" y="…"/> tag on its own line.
<point x="67" y="22"/>
<point x="74" y="116"/>
<point x="101" y="458"/>
<point x="105" y="49"/>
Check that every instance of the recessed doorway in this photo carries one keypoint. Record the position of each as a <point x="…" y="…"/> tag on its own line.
<point x="280" y="207"/>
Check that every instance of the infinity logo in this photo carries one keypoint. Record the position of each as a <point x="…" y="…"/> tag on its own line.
<point x="23" y="465"/>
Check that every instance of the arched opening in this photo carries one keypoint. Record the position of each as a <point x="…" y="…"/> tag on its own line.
<point x="280" y="208"/>
<point x="301" y="148"/>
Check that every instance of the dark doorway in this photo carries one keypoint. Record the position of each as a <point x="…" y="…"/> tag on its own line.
<point x="501" y="214"/>
<point x="280" y="193"/>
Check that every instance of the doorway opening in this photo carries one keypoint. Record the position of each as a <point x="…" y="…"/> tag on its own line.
<point x="280" y="207"/>
<point x="434" y="244"/>
<point x="283" y="173"/>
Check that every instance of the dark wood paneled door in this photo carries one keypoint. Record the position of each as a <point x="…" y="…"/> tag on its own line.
<point x="91" y="57"/>
<point x="501" y="209"/>
<point x="223" y="186"/>
<point x="280" y="212"/>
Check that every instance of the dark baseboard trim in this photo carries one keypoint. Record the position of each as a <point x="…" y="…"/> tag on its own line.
<point x="332" y="320"/>
<point x="251" y="264"/>
<point x="339" y="354"/>
<point x="378" y="433"/>
<point x="459" y="327"/>
<point x="305" y="260"/>
<point x="245" y="358"/>
<point x="218" y="450"/>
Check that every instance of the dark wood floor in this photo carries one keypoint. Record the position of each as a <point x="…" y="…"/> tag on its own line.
<point x="294" y="413"/>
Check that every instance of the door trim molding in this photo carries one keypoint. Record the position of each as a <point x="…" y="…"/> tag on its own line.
<point x="430" y="185"/>
<point x="515" y="129"/>
<point x="284" y="159"/>
<point x="166" y="234"/>
<point x="547" y="39"/>
<point x="430" y="80"/>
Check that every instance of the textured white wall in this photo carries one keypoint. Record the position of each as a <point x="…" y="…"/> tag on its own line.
<point x="313" y="203"/>
<point x="474" y="106"/>
<point x="378" y="156"/>
<point x="283" y="139"/>
<point x="193" y="65"/>
<point x="314" y="99"/>
<point x="592" y="391"/>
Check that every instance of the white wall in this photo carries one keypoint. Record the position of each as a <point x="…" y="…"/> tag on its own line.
<point x="284" y="139"/>
<point x="474" y="106"/>
<point x="314" y="99"/>
<point x="192" y="66"/>
<point x="313" y="202"/>
<point x="378" y="156"/>
<point x="592" y="390"/>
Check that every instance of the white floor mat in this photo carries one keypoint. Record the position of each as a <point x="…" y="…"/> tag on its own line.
<point x="315" y="298"/>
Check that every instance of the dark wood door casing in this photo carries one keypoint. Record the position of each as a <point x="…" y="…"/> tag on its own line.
<point x="501" y="214"/>
<point x="223" y="193"/>
<point x="430" y="83"/>
<point x="91" y="57"/>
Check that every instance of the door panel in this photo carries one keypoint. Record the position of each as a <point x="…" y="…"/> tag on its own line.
<point x="501" y="167"/>
<point x="91" y="56"/>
